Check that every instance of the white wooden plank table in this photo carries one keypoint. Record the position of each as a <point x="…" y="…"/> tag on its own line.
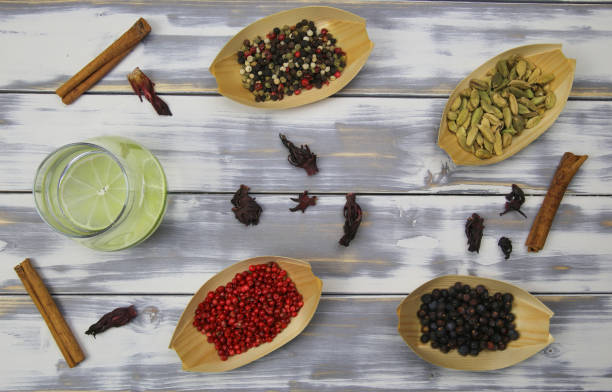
<point x="377" y="138"/>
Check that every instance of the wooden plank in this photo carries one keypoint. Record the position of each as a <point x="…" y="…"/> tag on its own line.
<point x="351" y="344"/>
<point x="364" y="145"/>
<point x="412" y="53"/>
<point x="402" y="242"/>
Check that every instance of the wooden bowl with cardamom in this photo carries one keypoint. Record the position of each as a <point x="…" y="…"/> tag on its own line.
<point x="349" y="30"/>
<point x="462" y="149"/>
<point x="197" y="355"/>
<point x="532" y="323"/>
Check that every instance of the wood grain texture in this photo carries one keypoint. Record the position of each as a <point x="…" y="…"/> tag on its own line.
<point x="351" y="344"/>
<point x="377" y="145"/>
<point x="403" y="241"/>
<point x="421" y="47"/>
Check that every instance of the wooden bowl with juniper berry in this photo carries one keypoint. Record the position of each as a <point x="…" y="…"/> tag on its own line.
<point x="530" y="320"/>
<point x="296" y="86"/>
<point x="198" y="351"/>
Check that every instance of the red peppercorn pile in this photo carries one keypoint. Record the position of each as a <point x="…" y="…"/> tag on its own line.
<point x="250" y="310"/>
<point x="288" y="60"/>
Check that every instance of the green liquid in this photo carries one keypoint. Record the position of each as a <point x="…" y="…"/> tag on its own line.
<point x="108" y="193"/>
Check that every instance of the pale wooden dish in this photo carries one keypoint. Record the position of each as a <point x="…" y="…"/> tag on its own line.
<point x="532" y="323"/>
<point x="348" y="28"/>
<point x="551" y="60"/>
<point x="198" y="355"/>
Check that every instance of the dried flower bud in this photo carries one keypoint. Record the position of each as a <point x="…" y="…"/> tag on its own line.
<point x="116" y="318"/>
<point x="303" y="202"/>
<point x="246" y="209"/>
<point x="352" y="216"/>
<point x="301" y="157"/>
<point x="143" y="85"/>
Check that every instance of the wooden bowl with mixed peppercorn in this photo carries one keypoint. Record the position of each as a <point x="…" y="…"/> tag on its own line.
<point x="292" y="58"/>
<point x="475" y="328"/>
<point x="259" y="304"/>
<point x="505" y="104"/>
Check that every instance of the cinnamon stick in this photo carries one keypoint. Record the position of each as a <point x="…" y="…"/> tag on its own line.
<point x="540" y="228"/>
<point x="60" y="330"/>
<point x="103" y="63"/>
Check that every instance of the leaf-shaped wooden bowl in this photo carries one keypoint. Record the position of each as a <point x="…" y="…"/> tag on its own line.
<point x="532" y="323"/>
<point x="551" y="60"/>
<point x="349" y="29"/>
<point x="200" y="356"/>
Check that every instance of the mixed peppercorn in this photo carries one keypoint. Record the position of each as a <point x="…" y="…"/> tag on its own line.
<point x="250" y="310"/>
<point x="288" y="60"/>
<point x="467" y="319"/>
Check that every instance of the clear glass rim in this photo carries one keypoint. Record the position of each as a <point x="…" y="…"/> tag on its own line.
<point x="104" y="150"/>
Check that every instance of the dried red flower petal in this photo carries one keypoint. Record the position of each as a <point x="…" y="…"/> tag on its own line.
<point x="352" y="216"/>
<point x="246" y="209"/>
<point x="115" y="318"/>
<point x="473" y="230"/>
<point x="143" y="85"/>
<point x="300" y="157"/>
<point x="303" y="201"/>
<point x="515" y="200"/>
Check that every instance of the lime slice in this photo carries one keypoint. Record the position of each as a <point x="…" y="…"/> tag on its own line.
<point x="92" y="191"/>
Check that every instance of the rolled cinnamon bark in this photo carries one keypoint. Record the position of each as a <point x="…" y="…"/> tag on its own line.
<point x="103" y="63"/>
<point x="540" y="228"/>
<point x="60" y="330"/>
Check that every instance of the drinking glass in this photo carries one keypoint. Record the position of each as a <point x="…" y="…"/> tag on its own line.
<point x="108" y="193"/>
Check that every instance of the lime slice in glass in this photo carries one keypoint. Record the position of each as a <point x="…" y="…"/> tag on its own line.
<point x="93" y="191"/>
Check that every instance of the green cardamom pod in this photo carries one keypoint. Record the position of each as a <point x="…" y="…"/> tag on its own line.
<point x="529" y="93"/>
<point x="511" y="131"/>
<point x="522" y="109"/>
<point x="484" y="97"/>
<point x="518" y="123"/>
<point x="497" y="145"/>
<point x="532" y="122"/>
<point x="535" y="75"/>
<point x="452" y="126"/>
<point x="475" y="98"/>
<point x="479" y="140"/>
<point x="516" y="92"/>
<point x="530" y="115"/>
<point x="479" y="84"/>
<point x="497" y="80"/>
<point x="519" y="84"/>
<point x="546" y="78"/>
<point x="499" y="101"/>
<point x="492" y="119"/>
<point x="502" y="68"/>
<point x="537" y="100"/>
<point x="528" y="103"/>
<point x="506" y="140"/>
<point x="456" y="103"/>
<point x="513" y="104"/>
<point x="486" y="132"/>
<point x="507" y="117"/>
<point x="491" y="109"/>
<point x="461" y="137"/>
<point x="550" y="100"/>
<point x="471" y="136"/>
<point x="482" y="154"/>
<point x="488" y="145"/>
<point x="521" y="67"/>
<point x="465" y="92"/>
<point x="462" y="116"/>
<point x="476" y="116"/>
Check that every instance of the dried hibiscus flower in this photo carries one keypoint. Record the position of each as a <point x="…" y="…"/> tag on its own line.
<point x="473" y="230"/>
<point x="352" y="216"/>
<point x="515" y="200"/>
<point x="303" y="202"/>
<point x="115" y="318"/>
<point x="301" y="156"/>
<point x="506" y="246"/>
<point x="246" y="209"/>
<point x="143" y="85"/>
